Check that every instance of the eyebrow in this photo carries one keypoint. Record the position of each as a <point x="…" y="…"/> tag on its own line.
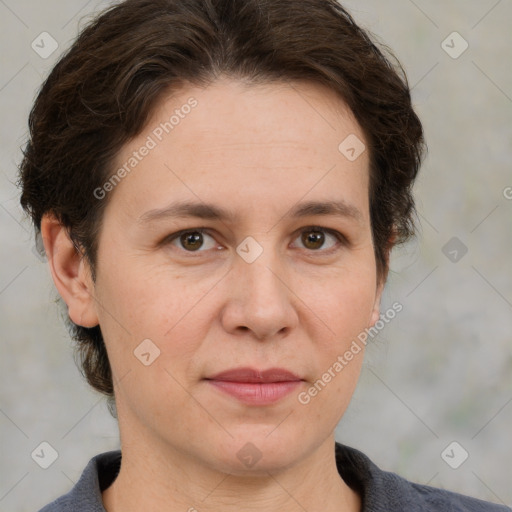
<point x="184" y="209"/>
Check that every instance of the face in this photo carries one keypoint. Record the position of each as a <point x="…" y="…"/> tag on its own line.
<point x="250" y="275"/>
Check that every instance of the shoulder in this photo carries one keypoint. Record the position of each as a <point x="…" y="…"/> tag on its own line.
<point x="441" y="499"/>
<point x="85" y="496"/>
<point x="386" y="491"/>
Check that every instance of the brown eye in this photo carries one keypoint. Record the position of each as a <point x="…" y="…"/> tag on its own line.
<point x="313" y="239"/>
<point x="192" y="240"/>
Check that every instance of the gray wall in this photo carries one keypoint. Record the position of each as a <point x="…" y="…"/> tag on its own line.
<point x="440" y="372"/>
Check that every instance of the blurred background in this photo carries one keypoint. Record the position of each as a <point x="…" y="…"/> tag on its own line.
<point x="434" y="401"/>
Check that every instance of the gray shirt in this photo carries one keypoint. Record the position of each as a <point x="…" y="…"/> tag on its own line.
<point x="381" y="491"/>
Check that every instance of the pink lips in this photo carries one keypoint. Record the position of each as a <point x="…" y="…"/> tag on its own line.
<point x="256" y="387"/>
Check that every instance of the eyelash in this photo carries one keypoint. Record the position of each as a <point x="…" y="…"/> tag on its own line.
<point x="342" y="240"/>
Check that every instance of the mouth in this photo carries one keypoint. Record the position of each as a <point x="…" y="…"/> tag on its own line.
<point x="256" y="387"/>
<point x="252" y="375"/>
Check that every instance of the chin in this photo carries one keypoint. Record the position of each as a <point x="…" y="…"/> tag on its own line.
<point x="256" y="453"/>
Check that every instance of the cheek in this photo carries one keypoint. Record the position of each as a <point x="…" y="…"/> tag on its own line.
<point x="343" y="301"/>
<point x="343" y="305"/>
<point x="147" y="306"/>
<point x="138" y="303"/>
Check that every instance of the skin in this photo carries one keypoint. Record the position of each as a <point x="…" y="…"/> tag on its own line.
<point x="258" y="151"/>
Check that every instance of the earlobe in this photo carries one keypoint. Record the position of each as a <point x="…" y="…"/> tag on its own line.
<point x="382" y="280"/>
<point x="70" y="271"/>
<point x="376" y="306"/>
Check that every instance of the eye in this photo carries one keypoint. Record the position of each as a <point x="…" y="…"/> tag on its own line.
<point x="314" y="238"/>
<point x="191" y="240"/>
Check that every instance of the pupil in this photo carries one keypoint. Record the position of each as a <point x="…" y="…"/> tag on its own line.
<point x="193" y="241"/>
<point x="315" y="237"/>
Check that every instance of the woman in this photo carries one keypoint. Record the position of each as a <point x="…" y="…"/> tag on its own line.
<point x="218" y="186"/>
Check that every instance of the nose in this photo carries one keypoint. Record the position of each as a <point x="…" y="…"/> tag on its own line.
<point x="260" y="298"/>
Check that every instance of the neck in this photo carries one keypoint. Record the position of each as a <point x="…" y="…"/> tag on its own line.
<point x="168" y="481"/>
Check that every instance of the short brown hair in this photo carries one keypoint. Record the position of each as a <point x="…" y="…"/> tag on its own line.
<point x="103" y="89"/>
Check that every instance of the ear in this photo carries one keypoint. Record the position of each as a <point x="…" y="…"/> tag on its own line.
<point x="376" y="306"/>
<point x="382" y="279"/>
<point x="70" y="271"/>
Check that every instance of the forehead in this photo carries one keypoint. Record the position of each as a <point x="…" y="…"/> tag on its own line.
<point x="243" y="143"/>
<point x="241" y="112"/>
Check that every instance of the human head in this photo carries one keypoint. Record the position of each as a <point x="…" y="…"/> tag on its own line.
<point x="103" y="91"/>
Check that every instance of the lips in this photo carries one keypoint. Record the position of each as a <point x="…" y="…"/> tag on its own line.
<point x="256" y="387"/>
<point x="251" y="375"/>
